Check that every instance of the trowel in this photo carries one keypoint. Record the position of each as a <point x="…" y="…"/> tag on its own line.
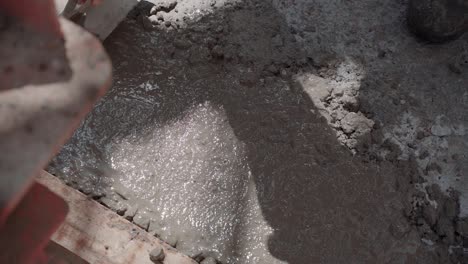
<point x="99" y="17"/>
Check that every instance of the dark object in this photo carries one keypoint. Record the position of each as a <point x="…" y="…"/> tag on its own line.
<point x="157" y="255"/>
<point x="438" y="20"/>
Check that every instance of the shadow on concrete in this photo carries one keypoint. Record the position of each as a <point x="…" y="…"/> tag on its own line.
<point x="324" y="204"/>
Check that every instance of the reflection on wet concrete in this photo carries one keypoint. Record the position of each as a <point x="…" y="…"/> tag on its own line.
<point x="225" y="163"/>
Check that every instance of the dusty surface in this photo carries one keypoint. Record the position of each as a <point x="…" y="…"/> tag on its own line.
<point x="281" y="132"/>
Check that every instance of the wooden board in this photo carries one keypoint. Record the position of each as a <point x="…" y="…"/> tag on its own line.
<point x="100" y="236"/>
<point x="57" y="254"/>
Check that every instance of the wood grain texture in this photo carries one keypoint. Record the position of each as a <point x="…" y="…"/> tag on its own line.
<point x="99" y="235"/>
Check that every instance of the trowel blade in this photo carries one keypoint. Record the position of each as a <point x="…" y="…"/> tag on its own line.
<point x="102" y="19"/>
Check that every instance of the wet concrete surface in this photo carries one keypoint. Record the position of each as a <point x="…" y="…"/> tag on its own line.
<point x="208" y="140"/>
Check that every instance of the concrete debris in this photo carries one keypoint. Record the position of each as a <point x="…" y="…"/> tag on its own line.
<point x="131" y="212"/>
<point x="157" y="255"/>
<point x="112" y="204"/>
<point x="142" y="220"/>
<point x="169" y="239"/>
<point x="356" y="123"/>
<point x="427" y="241"/>
<point x="164" y="6"/>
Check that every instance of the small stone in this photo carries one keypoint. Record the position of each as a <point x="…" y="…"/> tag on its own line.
<point x="411" y="145"/>
<point x="209" y="260"/>
<point x="284" y="73"/>
<point x="167" y="23"/>
<point x="154" y="10"/>
<point x="355" y="122"/>
<point x="219" y="29"/>
<point x="157" y="254"/>
<point x="154" y="19"/>
<point x="427" y="241"/>
<point x="441" y="131"/>
<point x="212" y="3"/>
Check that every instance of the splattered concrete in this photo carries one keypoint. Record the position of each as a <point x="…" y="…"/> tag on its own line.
<point x="281" y="132"/>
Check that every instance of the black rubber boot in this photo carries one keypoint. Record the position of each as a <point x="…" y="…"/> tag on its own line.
<point x="438" y="20"/>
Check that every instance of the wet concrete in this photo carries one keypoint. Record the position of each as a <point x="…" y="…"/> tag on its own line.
<point x="212" y="138"/>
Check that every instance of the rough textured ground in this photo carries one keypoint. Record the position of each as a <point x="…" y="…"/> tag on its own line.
<point x="282" y="132"/>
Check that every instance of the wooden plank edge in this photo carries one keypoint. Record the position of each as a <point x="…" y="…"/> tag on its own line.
<point x="100" y="236"/>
